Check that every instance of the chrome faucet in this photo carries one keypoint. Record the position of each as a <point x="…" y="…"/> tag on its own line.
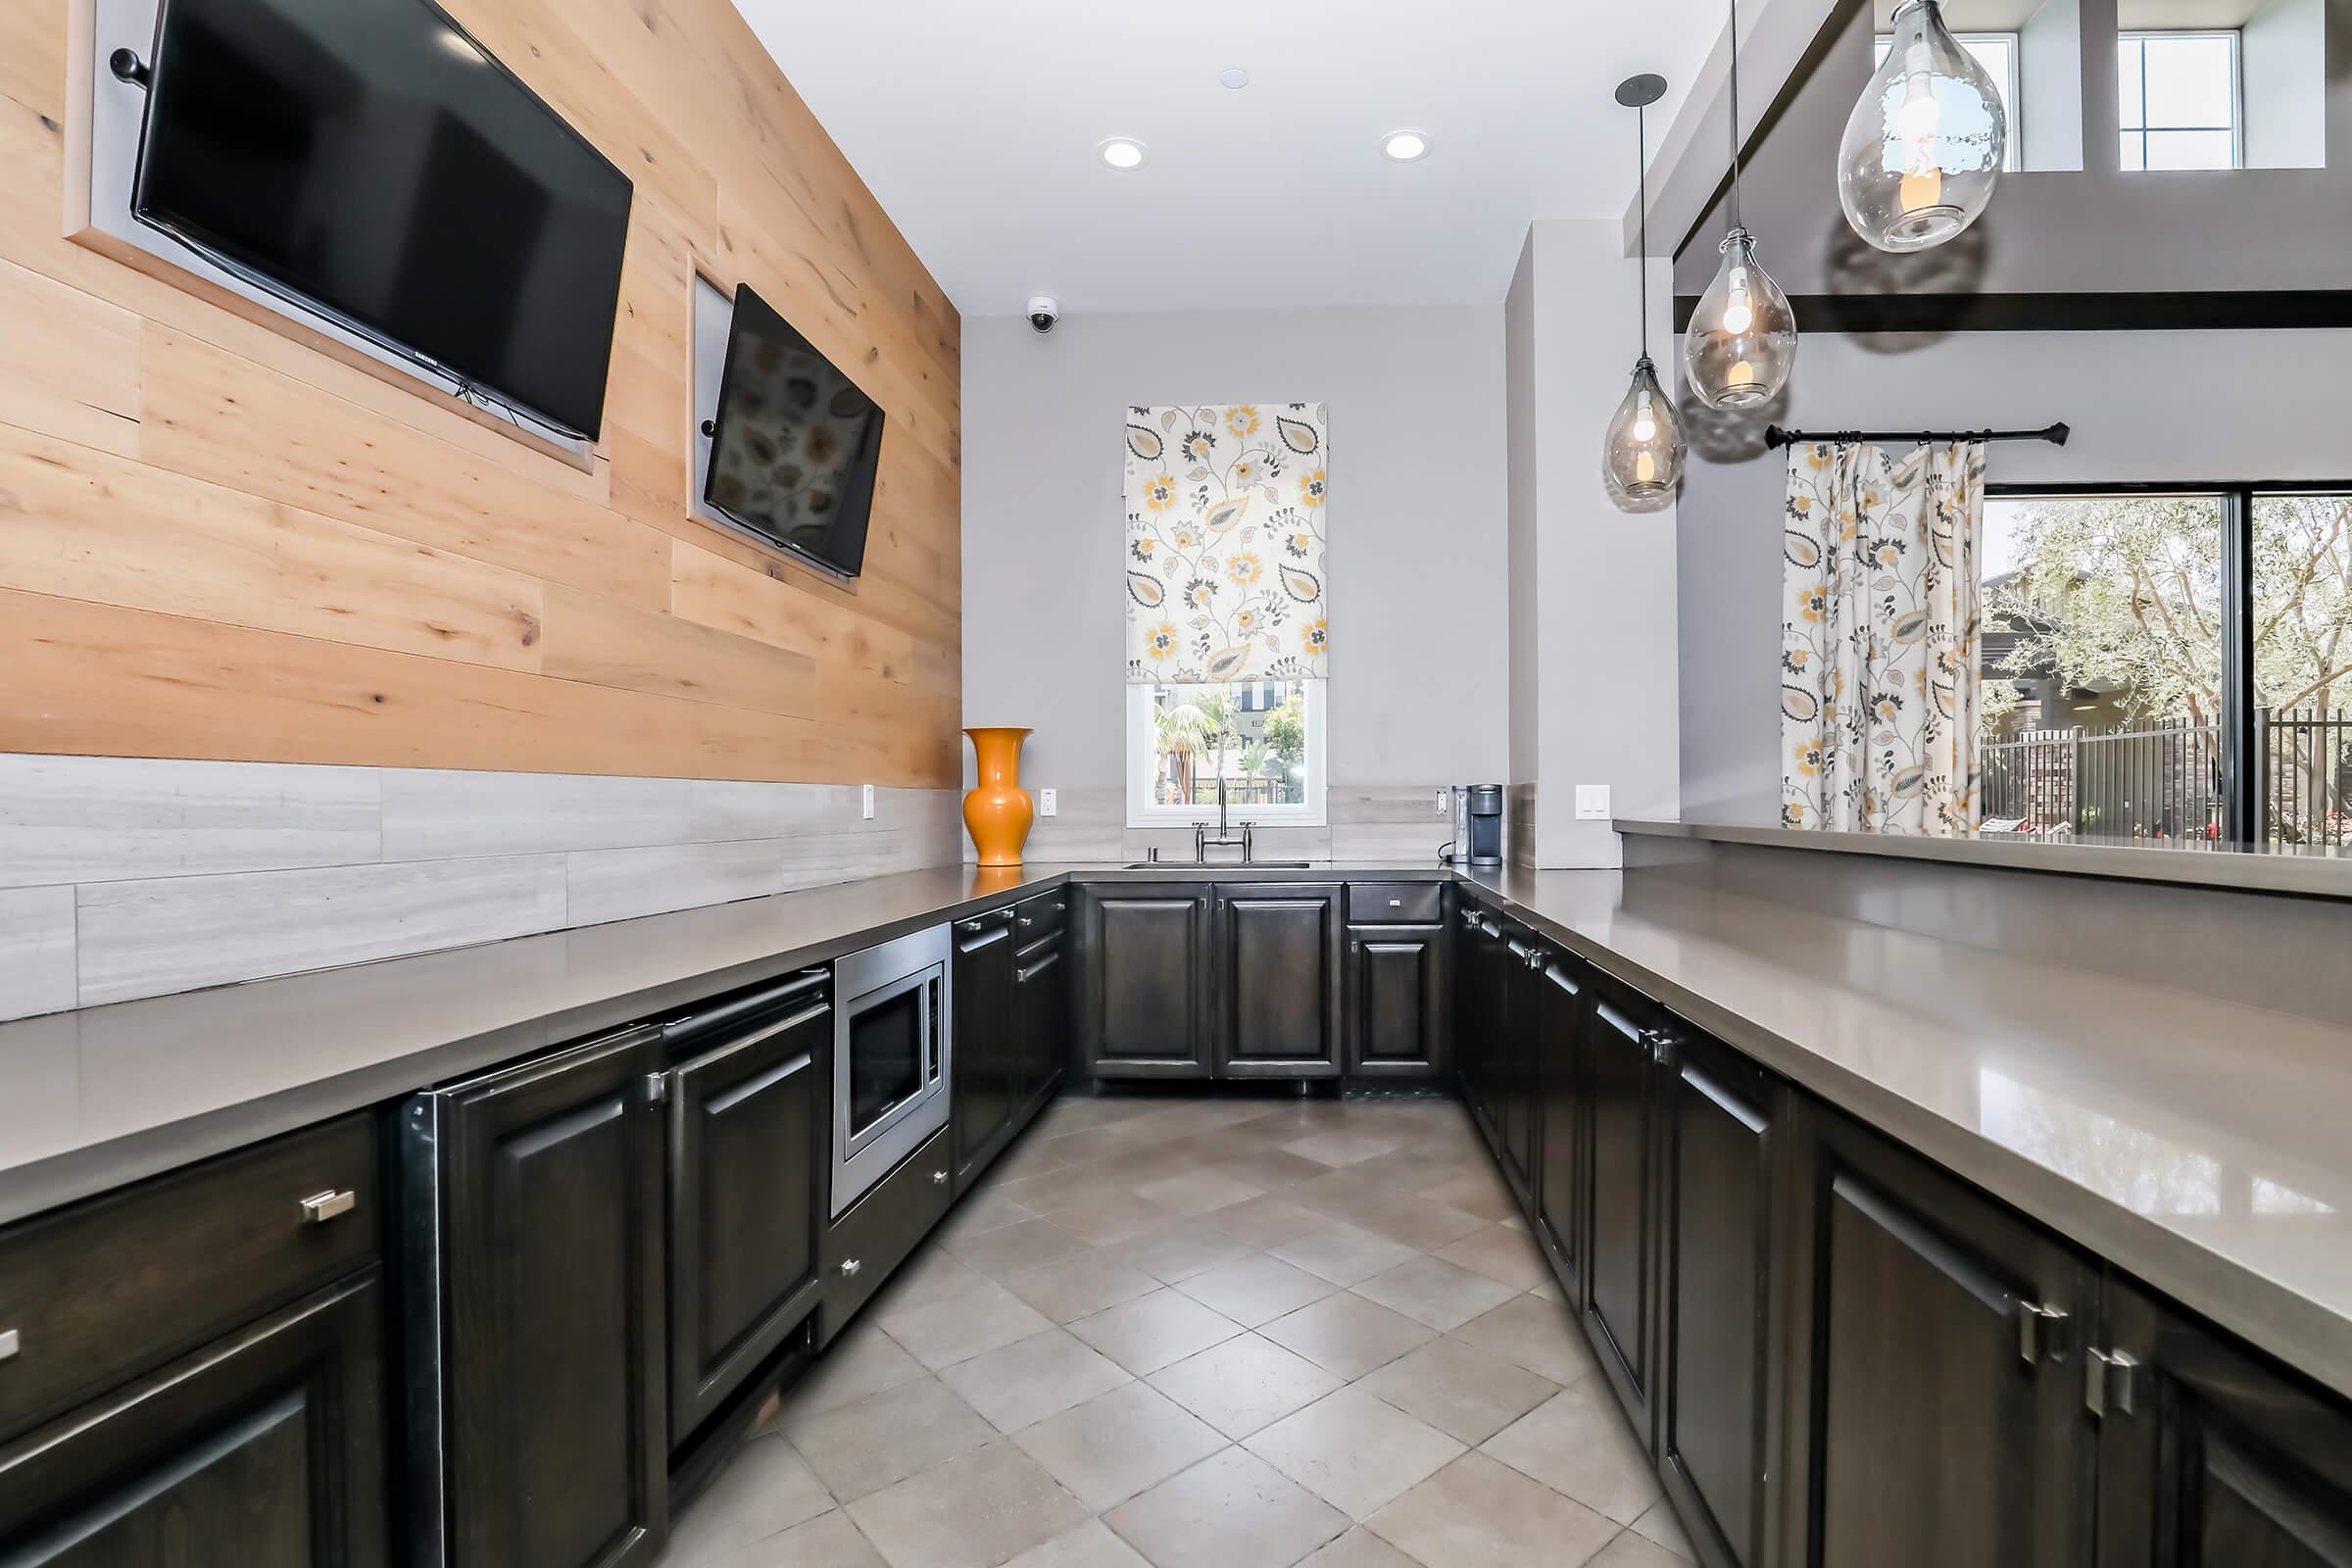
<point x="1224" y="839"/>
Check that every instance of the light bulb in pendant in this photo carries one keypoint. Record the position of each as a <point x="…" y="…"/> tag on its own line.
<point x="1742" y="341"/>
<point x="1642" y="452"/>
<point x="1924" y="147"/>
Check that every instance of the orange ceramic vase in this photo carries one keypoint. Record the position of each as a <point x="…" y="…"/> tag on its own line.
<point x="998" y="811"/>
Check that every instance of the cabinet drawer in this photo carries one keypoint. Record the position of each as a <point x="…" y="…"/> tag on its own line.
<point x="865" y="1245"/>
<point x="1035" y="917"/>
<point x="1396" y="903"/>
<point x="105" y="1290"/>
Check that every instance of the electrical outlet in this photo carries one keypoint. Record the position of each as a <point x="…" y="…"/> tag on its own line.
<point x="866" y="804"/>
<point x="1593" y="802"/>
<point x="1444" y="802"/>
<point x="1048" y="802"/>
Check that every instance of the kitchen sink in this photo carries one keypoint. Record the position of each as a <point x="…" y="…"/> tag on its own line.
<point x="1218" y="865"/>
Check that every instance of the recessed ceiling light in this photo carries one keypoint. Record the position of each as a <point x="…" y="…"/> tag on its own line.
<point x="1123" y="153"/>
<point x="1405" y="146"/>
<point x="1234" y="77"/>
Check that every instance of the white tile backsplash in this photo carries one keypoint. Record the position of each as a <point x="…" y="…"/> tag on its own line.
<point x="124" y="877"/>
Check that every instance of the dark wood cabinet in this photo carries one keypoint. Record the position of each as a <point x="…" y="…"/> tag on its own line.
<point x="1723" y="1190"/>
<point x="1621" y="1177"/>
<point x="1278" y="980"/>
<point x="1042" y="1015"/>
<point x="1145" y="1004"/>
<point x="746" y="1123"/>
<point x="986" y="1077"/>
<point x="1516" y="1090"/>
<point x="542" y="1439"/>
<point x="1481" y="985"/>
<point x="1397" y="1004"/>
<point x="263" y="1449"/>
<point x="1938" y="1391"/>
<point x="1561" y="1104"/>
<point x="2209" y="1456"/>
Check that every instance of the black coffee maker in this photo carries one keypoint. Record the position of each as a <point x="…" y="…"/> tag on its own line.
<point x="1476" y="826"/>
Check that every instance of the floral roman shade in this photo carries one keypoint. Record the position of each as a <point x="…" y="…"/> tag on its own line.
<point x="1879" y="639"/>
<point x="1225" y="543"/>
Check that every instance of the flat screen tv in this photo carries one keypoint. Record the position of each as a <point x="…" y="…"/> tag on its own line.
<point x="795" y="443"/>
<point x="369" y="160"/>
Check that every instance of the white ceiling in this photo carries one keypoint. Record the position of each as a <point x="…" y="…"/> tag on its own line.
<point x="976" y="125"/>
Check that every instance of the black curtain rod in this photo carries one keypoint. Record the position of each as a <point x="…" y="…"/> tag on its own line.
<point x="1775" y="436"/>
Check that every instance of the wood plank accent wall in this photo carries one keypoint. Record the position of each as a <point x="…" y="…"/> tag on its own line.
<point x="224" y="538"/>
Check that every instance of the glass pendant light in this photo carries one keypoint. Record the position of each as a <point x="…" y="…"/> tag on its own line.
<point x="1742" y="341"/>
<point x="1925" y="145"/>
<point x="1642" y="453"/>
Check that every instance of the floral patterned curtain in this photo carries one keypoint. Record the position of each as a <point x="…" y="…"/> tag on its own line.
<point x="1880" y="638"/>
<point x="1225" y="519"/>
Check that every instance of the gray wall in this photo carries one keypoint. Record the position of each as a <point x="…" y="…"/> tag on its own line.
<point x="2144" y="406"/>
<point x="1418" y="684"/>
<point x="1519" y="378"/>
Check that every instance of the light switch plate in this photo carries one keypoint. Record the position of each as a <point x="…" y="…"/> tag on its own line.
<point x="866" y="804"/>
<point x="1444" y="802"/>
<point x="1593" y="802"/>
<point x="1048" y="802"/>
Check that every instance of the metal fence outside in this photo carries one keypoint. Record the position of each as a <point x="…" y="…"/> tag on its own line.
<point x="2304" y="760"/>
<point x="2161" y="783"/>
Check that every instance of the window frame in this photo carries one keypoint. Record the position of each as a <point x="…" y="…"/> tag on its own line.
<point x="2013" y="151"/>
<point x="2240" y="775"/>
<point x="2238" y="99"/>
<point x="1144" y="812"/>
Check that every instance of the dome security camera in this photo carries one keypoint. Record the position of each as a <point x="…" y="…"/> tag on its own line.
<point x="1044" y="313"/>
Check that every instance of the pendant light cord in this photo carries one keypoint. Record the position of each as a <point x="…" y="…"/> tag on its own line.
<point x="1734" y="4"/>
<point x="1641" y="174"/>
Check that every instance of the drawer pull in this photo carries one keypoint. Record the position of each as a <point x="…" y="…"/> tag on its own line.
<point x="849" y="1267"/>
<point x="1395" y="903"/>
<point x="320" y="1207"/>
<point x="9" y="1344"/>
<point x="939" y="1178"/>
<point x="2038" y="1326"/>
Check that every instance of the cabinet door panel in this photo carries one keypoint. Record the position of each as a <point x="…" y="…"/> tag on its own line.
<point x="1518" y="1081"/>
<point x="1147" y="1008"/>
<point x="262" y="1450"/>
<point x="1712" y="1430"/>
<point x="987" y="1064"/>
<point x="1560" y="1096"/>
<point x="553" y="1367"/>
<point x="1395" y="1017"/>
<point x="743" y="1207"/>
<point x="2210" y="1458"/>
<point x="1280" y="947"/>
<point x="1043" y="990"/>
<point x="1620" y="1179"/>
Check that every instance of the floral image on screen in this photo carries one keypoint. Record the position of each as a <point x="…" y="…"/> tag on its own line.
<point x="1226" y="515"/>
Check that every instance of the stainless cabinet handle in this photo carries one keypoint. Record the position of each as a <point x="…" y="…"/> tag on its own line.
<point x="2033" y="1321"/>
<point x="1025" y="920"/>
<point x="1395" y="903"/>
<point x="2108" y="1377"/>
<point x="9" y="1344"/>
<point x="849" y="1267"/>
<point x="939" y="1178"/>
<point x="320" y="1207"/>
<point x="972" y="925"/>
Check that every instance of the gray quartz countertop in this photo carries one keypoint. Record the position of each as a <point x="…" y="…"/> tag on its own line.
<point x="2197" y="1144"/>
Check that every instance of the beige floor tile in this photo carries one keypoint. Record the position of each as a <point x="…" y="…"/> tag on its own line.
<point x="1354" y="1451"/>
<point x="1058" y="1188"/>
<point x="1530" y="1332"/>
<point x="1180" y="1251"/>
<point x="1231" y="1510"/>
<point x="1112" y="1216"/>
<point x="1118" y="1443"/>
<point x="932" y="1273"/>
<point x="1034" y="1156"/>
<point x="1343" y="1253"/>
<point x="1501" y="1253"/>
<point x="959" y="1326"/>
<point x="1339" y="1194"/>
<point x="1634" y="1550"/>
<point x="886" y="1437"/>
<point x="1026" y="1382"/>
<point x="1244" y="1384"/>
<point x="1016" y="1248"/>
<point x="1662" y="1528"/>
<point x="765" y="1490"/>
<point x="974" y="1511"/>
<point x="1197" y="1192"/>
<point x="1480" y="1514"/>
<point x="1272" y="1168"/>
<point x="1578" y="1444"/>
<point x="1256" y="1290"/>
<point x="1359" y="1548"/>
<point x="1088" y="1546"/>
<point x="1341" y="1147"/>
<point x="1081" y="1285"/>
<point x="1428" y="1290"/>
<point x="1549" y="1291"/>
<point x="1345" y="1335"/>
<point x="830" y="1539"/>
<point x="862" y="1361"/>
<point x="1465" y="1394"/>
<point x="982" y="1210"/>
<point x="1420" y="1223"/>
<point x="1482" y="1195"/>
<point x="1155" y="1331"/>
<point x="1267" y="1221"/>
